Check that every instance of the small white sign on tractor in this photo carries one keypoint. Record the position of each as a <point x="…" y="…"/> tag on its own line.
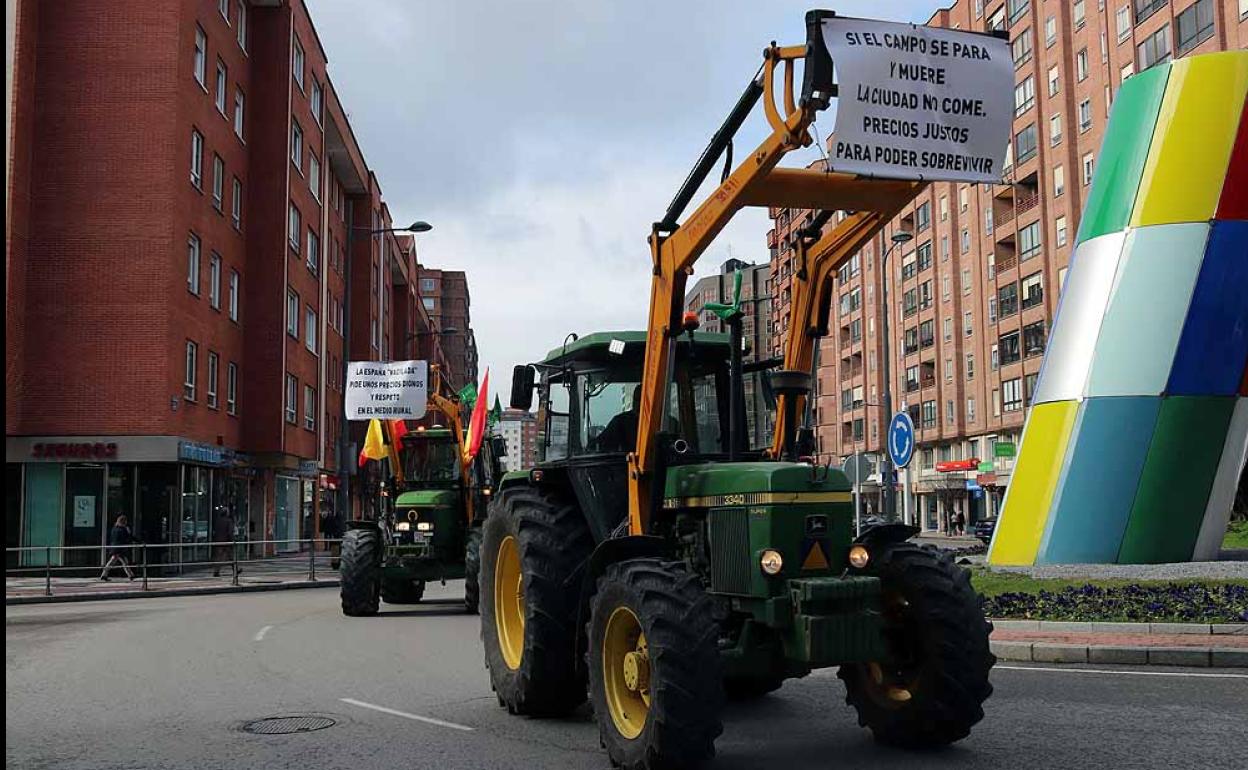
<point x="919" y="102"/>
<point x="387" y="390"/>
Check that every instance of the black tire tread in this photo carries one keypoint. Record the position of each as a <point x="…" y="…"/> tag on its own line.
<point x="360" y="572"/>
<point x="472" y="570"/>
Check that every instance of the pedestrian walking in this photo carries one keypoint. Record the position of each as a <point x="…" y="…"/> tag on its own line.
<point x="223" y="535"/>
<point x="120" y="538"/>
<point x="331" y="529"/>
<point x="960" y="523"/>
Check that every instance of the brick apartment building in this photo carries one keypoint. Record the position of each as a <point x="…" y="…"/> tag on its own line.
<point x="755" y="329"/>
<point x="519" y="429"/>
<point x="445" y="298"/>
<point x="187" y="206"/>
<point x="974" y="293"/>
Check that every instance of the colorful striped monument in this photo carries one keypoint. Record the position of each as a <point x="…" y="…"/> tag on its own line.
<point x="1139" y="425"/>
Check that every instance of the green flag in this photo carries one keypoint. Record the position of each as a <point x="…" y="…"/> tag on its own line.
<point x="468" y="395"/>
<point x="729" y="312"/>
<point x="496" y="414"/>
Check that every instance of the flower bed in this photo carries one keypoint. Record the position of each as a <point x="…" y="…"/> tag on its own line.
<point x="1194" y="602"/>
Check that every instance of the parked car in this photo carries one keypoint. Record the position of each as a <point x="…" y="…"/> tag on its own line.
<point x="984" y="529"/>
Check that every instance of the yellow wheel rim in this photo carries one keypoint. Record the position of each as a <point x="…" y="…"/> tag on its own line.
<point x="509" y="602"/>
<point x="626" y="672"/>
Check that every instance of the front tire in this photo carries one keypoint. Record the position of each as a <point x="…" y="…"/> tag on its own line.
<point x="931" y="689"/>
<point x="532" y="544"/>
<point x="472" y="571"/>
<point x="654" y="668"/>
<point x="360" y="572"/>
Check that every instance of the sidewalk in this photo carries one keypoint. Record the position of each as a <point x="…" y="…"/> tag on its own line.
<point x="273" y="574"/>
<point x="1169" y="644"/>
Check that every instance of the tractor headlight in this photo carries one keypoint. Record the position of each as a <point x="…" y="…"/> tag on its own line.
<point x="771" y="562"/>
<point x="859" y="556"/>
<point x="403" y="526"/>
<point x="424" y="526"/>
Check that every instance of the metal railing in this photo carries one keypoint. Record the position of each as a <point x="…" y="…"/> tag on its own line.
<point x="305" y="553"/>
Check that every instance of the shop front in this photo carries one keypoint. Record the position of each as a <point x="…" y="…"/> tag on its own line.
<point x="67" y="492"/>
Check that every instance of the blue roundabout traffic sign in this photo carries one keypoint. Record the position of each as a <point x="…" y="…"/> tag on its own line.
<point x="901" y="439"/>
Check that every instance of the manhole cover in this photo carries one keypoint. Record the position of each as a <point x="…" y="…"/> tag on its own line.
<point x="286" y="725"/>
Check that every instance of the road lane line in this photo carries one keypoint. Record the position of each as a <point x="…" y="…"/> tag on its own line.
<point x="405" y="715"/>
<point x="1124" y="673"/>
<point x="259" y="637"/>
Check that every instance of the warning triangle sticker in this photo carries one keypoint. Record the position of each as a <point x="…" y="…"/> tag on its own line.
<point x="815" y="558"/>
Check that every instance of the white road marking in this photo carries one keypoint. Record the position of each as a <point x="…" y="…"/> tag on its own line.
<point x="1124" y="673"/>
<point x="405" y="715"/>
<point x="259" y="637"/>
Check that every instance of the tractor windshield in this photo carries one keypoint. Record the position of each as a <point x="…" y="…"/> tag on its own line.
<point x="431" y="459"/>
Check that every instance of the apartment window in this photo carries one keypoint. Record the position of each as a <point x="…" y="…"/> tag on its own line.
<point x="1033" y="290"/>
<point x="1087" y="169"/>
<point x="1028" y="241"/>
<point x="239" y="101"/>
<point x="1008" y="345"/>
<point x="1194" y="25"/>
<point x="944" y="248"/>
<point x="1055" y="81"/>
<point x="189" y="384"/>
<point x="988" y="223"/>
<point x="944" y="288"/>
<point x="201" y="57"/>
<point x="968" y="323"/>
<point x="1123" y="20"/>
<point x="192" y="264"/>
<point x="948" y="329"/>
<point x="309" y="407"/>
<point x="426" y="284"/>
<point x="231" y="388"/>
<point x="223" y="7"/>
<point x="992" y="309"/>
<point x="314" y="177"/>
<point x="996" y="22"/>
<point x="292" y="314"/>
<point x="236" y="204"/>
<point x="1243" y="10"/>
<point x="948" y="370"/>
<point x="1060" y="225"/>
<point x="213" y="363"/>
<point x="1055" y="129"/>
<point x="314" y="253"/>
<point x="1104" y="49"/>
<point x="970" y="409"/>
<point x="214" y="281"/>
<point x="197" y="159"/>
<point x="292" y="398"/>
<point x="996" y="403"/>
<point x="1021" y="48"/>
<point x="1155" y="49"/>
<point x="1016" y="9"/>
<point x="970" y="366"/>
<point x="994" y="358"/>
<point x="317" y="102"/>
<point x="927" y="334"/>
<point x="309" y="329"/>
<point x="929" y="414"/>
<point x="966" y="240"/>
<point x="962" y="199"/>
<point x="1050" y="31"/>
<point x="1080" y="14"/>
<point x="912" y="378"/>
<point x="372" y="333"/>
<point x="1033" y="339"/>
<point x="923" y="217"/>
<point x="1146" y="8"/>
<point x="923" y="256"/>
<point x="221" y="77"/>
<point x="949" y="415"/>
<point x="294" y="227"/>
<point x="1059" y="181"/>
<point x="966" y="281"/>
<point x="1024" y="95"/>
<point x="1085" y="115"/>
<point x="1007" y="300"/>
<point x="218" y="182"/>
<point x="297" y="66"/>
<point x="1025" y="143"/>
<point x="296" y="145"/>
<point x="427" y="302"/>
<point x="944" y="208"/>
<point x="1012" y="395"/>
<point x="234" y="289"/>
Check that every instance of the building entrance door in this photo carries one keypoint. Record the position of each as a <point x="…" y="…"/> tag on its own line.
<point x="84" y="514"/>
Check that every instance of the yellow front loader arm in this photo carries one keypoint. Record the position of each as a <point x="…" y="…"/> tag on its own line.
<point x="756" y="181"/>
<point x="449" y="406"/>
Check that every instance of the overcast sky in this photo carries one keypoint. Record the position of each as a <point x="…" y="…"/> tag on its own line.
<point x="541" y="139"/>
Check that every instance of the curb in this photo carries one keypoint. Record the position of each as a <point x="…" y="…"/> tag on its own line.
<point x="205" y="591"/>
<point x="1194" y="657"/>
<point x="1065" y="627"/>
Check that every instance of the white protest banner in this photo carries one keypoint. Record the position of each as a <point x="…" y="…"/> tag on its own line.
<point x="919" y="102"/>
<point x="390" y="390"/>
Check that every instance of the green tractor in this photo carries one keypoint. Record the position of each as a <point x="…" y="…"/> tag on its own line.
<point x="652" y="563"/>
<point x="433" y="532"/>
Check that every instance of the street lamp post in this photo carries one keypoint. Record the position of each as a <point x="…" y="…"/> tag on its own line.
<point x="886" y="463"/>
<point x="344" y="446"/>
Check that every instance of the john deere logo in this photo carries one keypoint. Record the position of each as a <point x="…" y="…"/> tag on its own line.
<point x="816" y="526"/>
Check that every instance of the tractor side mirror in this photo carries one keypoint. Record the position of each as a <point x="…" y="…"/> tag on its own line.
<point x="498" y="445"/>
<point x="522" y="387"/>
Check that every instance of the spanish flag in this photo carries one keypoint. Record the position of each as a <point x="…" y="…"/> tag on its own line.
<point x="476" y="426"/>
<point x="374" y="443"/>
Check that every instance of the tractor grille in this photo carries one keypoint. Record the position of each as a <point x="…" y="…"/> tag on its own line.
<point x="730" y="551"/>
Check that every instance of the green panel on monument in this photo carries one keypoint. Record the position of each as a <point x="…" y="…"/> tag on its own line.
<point x="1174" y="486"/>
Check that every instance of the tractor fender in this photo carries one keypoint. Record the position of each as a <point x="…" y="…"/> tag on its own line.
<point x="606" y="553"/>
<point x="887" y="533"/>
<point x="363" y="524"/>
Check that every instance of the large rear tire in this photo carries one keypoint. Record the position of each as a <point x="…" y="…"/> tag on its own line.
<point x="402" y="591"/>
<point x="472" y="570"/>
<point x="360" y="572"/>
<point x="654" y="670"/>
<point x="532" y="544"/>
<point x="931" y="688"/>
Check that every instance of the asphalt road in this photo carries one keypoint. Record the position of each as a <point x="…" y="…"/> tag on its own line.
<point x="168" y="683"/>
